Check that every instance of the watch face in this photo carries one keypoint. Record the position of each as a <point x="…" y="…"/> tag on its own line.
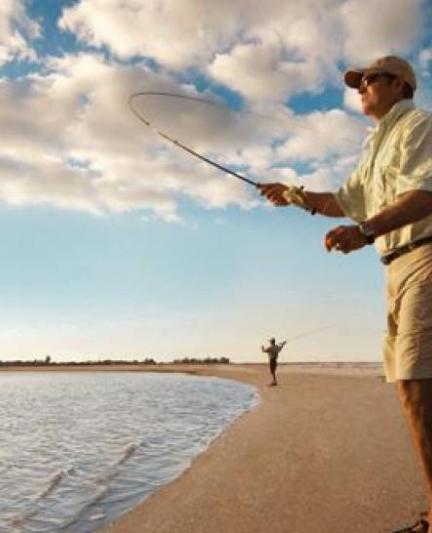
<point x="365" y="228"/>
<point x="367" y="231"/>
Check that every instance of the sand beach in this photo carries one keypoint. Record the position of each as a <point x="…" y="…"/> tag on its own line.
<point x="327" y="451"/>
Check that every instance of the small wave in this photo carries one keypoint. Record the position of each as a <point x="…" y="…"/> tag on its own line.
<point x="108" y="476"/>
<point x="19" y="521"/>
<point x="100" y="495"/>
<point x="113" y="472"/>
<point x="127" y="452"/>
<point x="105" y="481"/>
<point x="55" y="481"/>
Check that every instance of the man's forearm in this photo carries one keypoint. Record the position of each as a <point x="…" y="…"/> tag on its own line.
<point x="411" y="207"/>
<point x="324" y="203"/>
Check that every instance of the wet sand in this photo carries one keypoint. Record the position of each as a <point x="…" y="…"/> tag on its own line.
<point x="325" y="452"/>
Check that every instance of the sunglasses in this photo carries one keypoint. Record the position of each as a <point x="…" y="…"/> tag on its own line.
<point x="370" y="79"/>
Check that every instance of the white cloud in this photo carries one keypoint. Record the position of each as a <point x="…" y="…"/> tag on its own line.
<point x="15" y="30"/>
<point x="329" y="175"/>
<point x="352" y="100"/>
<point x="322" y="135"/>
<point x="278" y="44"/>
<point x="265" y="50"/>
<point x="174" y="33"/>
<point x="68" y="138"/>
<point x="375" y="28"/>
<point x="256" y="71"/>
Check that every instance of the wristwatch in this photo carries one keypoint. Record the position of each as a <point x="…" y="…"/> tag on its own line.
<point x="367" y="231"/>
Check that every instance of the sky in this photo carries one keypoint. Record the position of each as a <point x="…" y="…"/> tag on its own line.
<point x="116" y="244"/>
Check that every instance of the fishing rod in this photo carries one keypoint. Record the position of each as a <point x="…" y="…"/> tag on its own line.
<point x="179" y="144"/>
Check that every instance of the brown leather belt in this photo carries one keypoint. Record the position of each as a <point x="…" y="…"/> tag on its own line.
<point x="387" y="259"/>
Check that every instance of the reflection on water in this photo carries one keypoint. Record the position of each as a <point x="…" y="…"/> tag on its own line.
<point x="79" y="449"/>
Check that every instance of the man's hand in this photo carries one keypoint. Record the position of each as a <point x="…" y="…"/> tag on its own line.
<point x="345" y="239"/>
<point x="274" y="192"/>
<point x="280" y="194"/>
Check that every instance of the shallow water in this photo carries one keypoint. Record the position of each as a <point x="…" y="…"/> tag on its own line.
<point x="80" y="449"/>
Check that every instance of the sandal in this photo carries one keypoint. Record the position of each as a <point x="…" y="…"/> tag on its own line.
<point x="422" y="526"/>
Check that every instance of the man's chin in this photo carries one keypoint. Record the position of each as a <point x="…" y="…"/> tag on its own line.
<point x="367" y="108"/>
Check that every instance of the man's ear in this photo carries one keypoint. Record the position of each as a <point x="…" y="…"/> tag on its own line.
<point x="398" y="84"/>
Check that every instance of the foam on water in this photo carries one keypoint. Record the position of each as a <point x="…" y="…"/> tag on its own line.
<point x="80" y="449"/>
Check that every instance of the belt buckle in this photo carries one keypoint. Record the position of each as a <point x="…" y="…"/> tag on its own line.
<point x="405" y="249"/>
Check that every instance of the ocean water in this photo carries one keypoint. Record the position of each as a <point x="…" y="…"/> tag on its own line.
<point x="79" y="449"/>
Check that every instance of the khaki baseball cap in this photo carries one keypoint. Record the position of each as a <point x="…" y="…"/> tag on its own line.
<point x="389" y="64"/>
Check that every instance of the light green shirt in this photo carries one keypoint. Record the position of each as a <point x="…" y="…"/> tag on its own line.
<point x="273" y="350"/>
<point x="397" y="159"/>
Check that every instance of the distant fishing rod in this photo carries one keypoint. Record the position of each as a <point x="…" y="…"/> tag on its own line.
<point x="309" y="332"/>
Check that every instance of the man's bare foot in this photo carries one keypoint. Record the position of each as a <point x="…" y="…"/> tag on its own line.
<point x="421" y="527"/>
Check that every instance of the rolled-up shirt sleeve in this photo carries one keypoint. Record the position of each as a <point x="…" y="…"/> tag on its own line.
<point x="351" y="199"/>
<point x="416" y="159"/>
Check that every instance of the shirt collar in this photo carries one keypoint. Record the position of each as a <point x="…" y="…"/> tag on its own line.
<point x="392" y="116"/>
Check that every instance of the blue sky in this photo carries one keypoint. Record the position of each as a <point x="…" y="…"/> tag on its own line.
<point x="118" y="245"/>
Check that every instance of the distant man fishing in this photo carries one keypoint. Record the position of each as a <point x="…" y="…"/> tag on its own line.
<point x="273" y="353"/>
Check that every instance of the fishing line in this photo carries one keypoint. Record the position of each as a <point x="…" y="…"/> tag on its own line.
<point x="178" y="143"/>
<point x="309" y="332"/>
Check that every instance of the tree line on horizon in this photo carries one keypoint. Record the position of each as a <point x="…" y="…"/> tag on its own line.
<point x="47" y="361"/>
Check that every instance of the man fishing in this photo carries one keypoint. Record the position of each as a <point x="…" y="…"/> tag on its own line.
<point x="273" y="354"/>
<point x="389" y="197"/>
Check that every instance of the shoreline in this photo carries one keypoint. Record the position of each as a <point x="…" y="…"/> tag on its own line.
<point x="321" y="453"/>
<point x="325" y="452"/>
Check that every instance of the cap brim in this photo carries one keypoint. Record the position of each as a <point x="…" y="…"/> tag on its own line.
<point x="353" y="78"/>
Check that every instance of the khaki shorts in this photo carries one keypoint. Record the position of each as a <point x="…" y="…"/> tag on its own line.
<point x="273" y="364"/>
<point x="408" y="341"/>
